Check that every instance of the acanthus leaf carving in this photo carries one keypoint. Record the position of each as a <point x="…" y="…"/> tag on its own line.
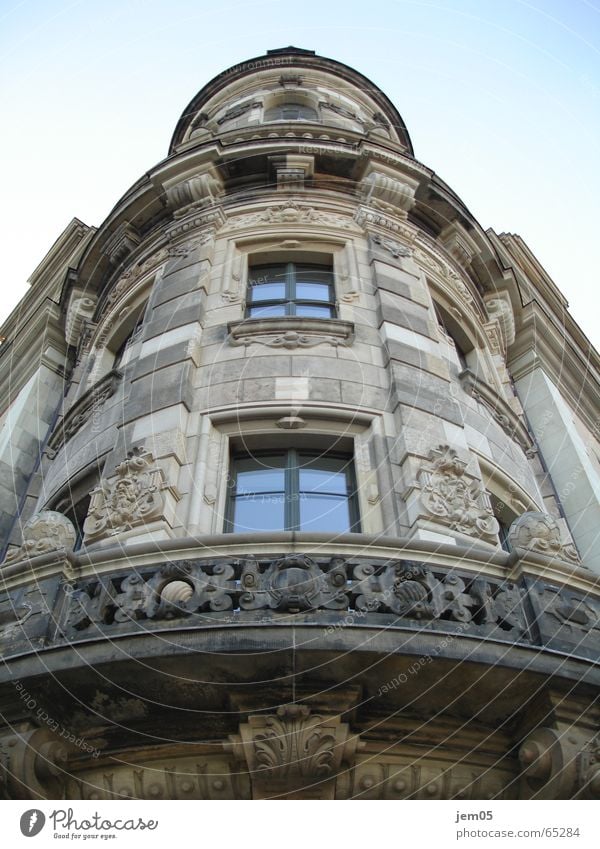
<point x="293" y="748"/>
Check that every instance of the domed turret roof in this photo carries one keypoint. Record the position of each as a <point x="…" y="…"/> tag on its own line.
<point x="286" y="60"/>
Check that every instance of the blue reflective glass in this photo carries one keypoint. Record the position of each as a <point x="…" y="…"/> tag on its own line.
<point x="329" y="513"/>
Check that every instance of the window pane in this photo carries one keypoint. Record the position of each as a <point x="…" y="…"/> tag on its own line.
<point x="258" y="513"/>
<point x="308" y="274"/>
<point x="313" y="311"/>
<point x="256" y="474"/>
<point x="323" y="480"/>
<point x="267" y="292"/>
<point x="313" y="291"/>
<point x="324" y="513"/>
<point x="267" y="312"/>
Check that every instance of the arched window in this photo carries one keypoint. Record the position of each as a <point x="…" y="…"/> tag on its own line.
<point x="453" y="334"/>
<point x="291" y="112"/>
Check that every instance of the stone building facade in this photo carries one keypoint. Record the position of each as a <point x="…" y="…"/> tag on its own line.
<point x="299" y="478"/>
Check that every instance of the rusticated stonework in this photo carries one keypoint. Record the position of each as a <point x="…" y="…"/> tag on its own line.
<point x="453" y="498"/>
<point x="132" y="496"/>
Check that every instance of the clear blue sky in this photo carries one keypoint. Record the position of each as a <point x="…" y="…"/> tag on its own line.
<point x="500" y="97"/>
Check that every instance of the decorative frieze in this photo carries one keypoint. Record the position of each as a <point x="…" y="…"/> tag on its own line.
<point x="291" y="212"/>
<point x="454" y="499"/>
<point x="298" y="584"/>
<point x="133" y="496"/>
<point x="413" y="591"/>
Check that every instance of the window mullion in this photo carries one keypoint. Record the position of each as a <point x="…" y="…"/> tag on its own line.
<point x="292" y="483"/>
<point x="290" y="288"/>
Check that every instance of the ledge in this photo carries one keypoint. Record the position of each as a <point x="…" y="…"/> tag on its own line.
<point x="82" y="410"/>
<point x="291" y="332"/>
<point x="502" y="412"/>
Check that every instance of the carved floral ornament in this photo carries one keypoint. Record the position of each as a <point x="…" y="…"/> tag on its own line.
<point x="132" y="496"/>
<point x="452" y="497"/>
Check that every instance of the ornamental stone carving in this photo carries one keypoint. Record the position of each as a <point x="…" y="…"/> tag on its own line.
<point x="291" y="213"/>
<point x="589" y="769"/>
<point x="132" y="496"/>
<point x="80" y="310"/>
<point x="540" y="533"/>
<point x="293" y="750"/>
<point x="33" y="762"/>
<point x="391" y="192"/>
<point x="390" y="245"/>
<point x="293" y="583"/>
<point x="413" y="591"/>
<point x="198" y="191"/>
<point x="45" y="531"/>
<point x="291" y="332"/>
<point x="559" y="763"/>
<point x="454" y="499"/>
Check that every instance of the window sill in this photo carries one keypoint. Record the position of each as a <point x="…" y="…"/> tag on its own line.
<point x="291" y="332"/>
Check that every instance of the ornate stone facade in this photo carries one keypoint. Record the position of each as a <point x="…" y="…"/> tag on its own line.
<point x="335" y="537"/>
